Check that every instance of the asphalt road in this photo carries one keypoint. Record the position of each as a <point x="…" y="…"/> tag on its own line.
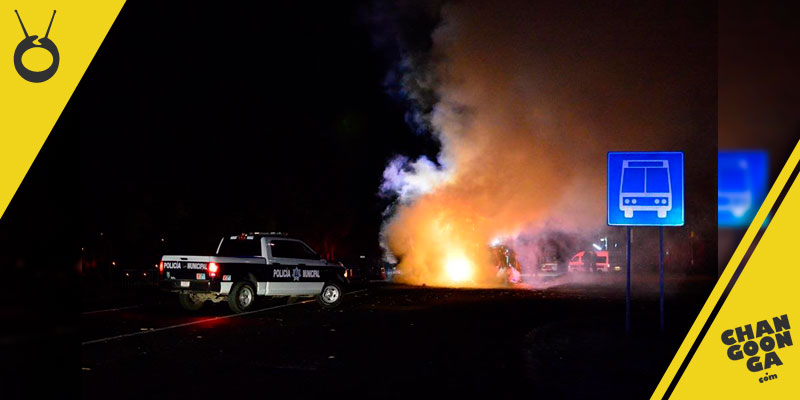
<point x="391" y="341"/>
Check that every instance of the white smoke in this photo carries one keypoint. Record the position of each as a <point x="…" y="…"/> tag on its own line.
<point x="525" y="107"/>
<point x="407" y="180"/>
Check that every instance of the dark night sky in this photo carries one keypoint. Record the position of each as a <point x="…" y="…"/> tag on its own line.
<point x="234" y="120"/>
<point x="192" y="122"/>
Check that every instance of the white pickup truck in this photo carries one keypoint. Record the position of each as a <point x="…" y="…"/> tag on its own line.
<point x="250" y="265"/>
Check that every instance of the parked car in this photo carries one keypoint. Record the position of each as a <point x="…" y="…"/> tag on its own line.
<point x="577" y="264"/>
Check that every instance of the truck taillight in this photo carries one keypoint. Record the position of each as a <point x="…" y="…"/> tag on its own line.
<point x="213" y="268"/>
<point x="161" y="267"/>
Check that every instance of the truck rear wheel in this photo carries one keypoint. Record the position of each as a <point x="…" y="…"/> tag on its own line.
<point x="190" y="302"/>
<point x="241" y="297"/>
<point x="331" y="295"/>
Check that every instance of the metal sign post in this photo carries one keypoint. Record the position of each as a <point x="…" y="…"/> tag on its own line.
<point x="661" y="276"/>
<point x="628" y="286"/>
<point x="645" y="189"/>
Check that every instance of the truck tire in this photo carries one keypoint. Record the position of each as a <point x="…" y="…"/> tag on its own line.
<point x="331" y="295"/>
<point x="189" y="302"/>
<point x="241" y="297"/>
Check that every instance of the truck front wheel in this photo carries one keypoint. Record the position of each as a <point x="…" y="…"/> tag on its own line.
<point x="331" y="295"/>
<point x="241" y="297"/>
<point x="190" y="302"/>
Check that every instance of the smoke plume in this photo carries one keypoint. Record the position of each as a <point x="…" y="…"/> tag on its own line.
<point x="528" y="100"/>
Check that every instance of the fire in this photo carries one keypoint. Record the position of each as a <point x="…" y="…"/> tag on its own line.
<point x="459" y="268"/>
<point x="522" y="146"/>
<point x="439" y="244"/>
<point x="524" y="128"/>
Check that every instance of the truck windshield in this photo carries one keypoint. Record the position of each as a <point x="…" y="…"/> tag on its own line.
<point x="240" y="248"/>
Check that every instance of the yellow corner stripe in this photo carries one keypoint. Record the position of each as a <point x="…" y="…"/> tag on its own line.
<point x="28" y="111"/>
<point x="712" y="380"/>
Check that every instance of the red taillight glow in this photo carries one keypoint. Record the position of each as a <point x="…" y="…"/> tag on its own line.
<point x="161" y="266"/>
<point x="213" y="268"/>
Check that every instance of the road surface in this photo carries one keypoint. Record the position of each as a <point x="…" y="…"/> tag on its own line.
<point x="393" y="341"/>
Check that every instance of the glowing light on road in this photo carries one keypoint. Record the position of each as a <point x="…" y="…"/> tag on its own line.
<point x="458" y="268"/>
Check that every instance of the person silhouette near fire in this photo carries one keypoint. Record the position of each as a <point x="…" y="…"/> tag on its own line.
<point x="590" y="261"/>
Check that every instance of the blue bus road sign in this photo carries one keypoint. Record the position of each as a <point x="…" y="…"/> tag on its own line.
<point x="741" y="186"/>
<point x="645" y="188"/>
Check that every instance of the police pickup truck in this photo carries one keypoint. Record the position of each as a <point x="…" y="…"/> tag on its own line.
<point x="250" y="265"/>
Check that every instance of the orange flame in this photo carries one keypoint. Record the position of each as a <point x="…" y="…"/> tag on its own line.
<point x="524" y="140"/>
<point x="439" y="246"/>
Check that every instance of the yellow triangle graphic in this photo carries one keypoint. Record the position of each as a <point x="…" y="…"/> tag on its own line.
<point x="768" y="290"/>
<point x="28" y="111"/>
